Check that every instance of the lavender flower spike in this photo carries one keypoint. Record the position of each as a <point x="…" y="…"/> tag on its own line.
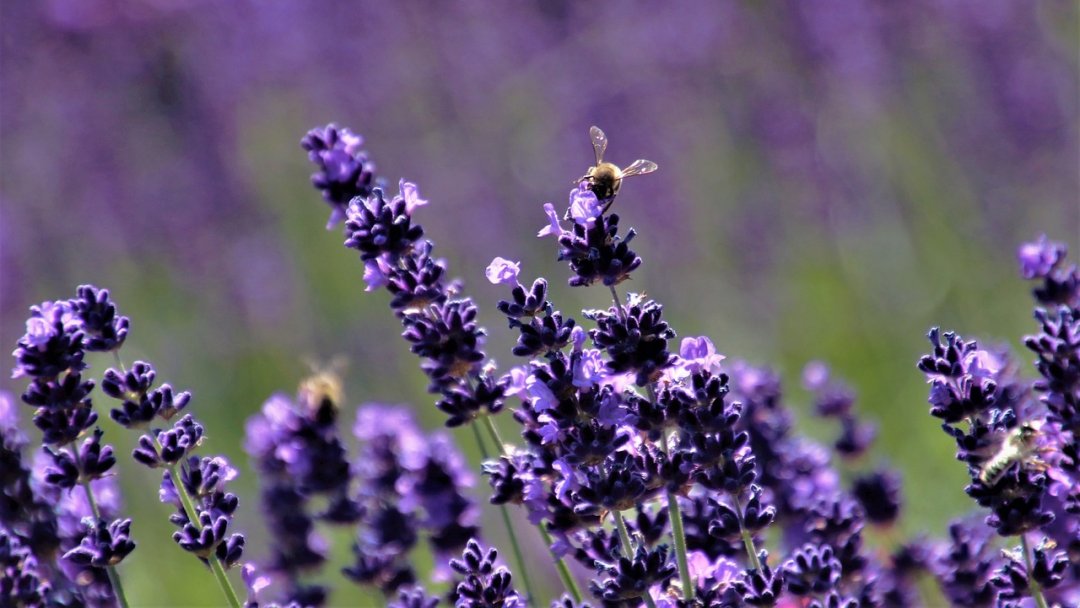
<point x="344" y="170"/>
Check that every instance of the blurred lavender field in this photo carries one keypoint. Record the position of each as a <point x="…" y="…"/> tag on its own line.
<point x="833" y="182"/>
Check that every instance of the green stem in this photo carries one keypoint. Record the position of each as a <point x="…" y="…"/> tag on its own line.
<point x="628" y="549"/>
<point x="514" y="546"/>
<point x="1033" y="585"/>
<point x="747" y="538"/>
<point x="119" y="362"/>
<point x="618" y="304"/>
<point x="560" y="564"/>
<point x="624" y="535"/>
<point x="193" y="516"/>
<point x="679" y="536"/>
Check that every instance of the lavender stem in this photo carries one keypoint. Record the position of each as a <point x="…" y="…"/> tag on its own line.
<point x="678" y="534"/>
<point x="1033" y="585"/>
<point x="560" y="564"/>
<point x="114" y="577"/>
<point x="193" y="517"/>
<point x="514" y="546"/>
<point x="748" y="539"/>
<point x="628" y="549"/>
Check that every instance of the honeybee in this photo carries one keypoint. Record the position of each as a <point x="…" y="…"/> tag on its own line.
<point x="321" y="393"/>
<point x="604" y="178"/>
<point x="1019" y="447"/>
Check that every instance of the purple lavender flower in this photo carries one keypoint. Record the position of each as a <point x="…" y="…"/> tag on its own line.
<point x="484" y="585"/>
<point x="1043" y="260"/>
<point x="345" y="172"/>
<point x="22" y="510"/>
<point x="104" y="328"/>
<point x="51" y="353"/>
<point x="52" y="344"/>
<point x="276" y="439"/>
<point x="812" y="570"/>
<point x="1014" y="579"/>
<point x="965" y="570"/>
<point x="635" y="338"/>
<point x="140" y="401"/>
<point x="596" y="252"/>
<point x="631" y="577"/>
<point x="22" y="583"/>
<point x="377" y="227"/>
<point x="503" y="271"/>
<point x="409" y="483"/>
<point x="1039" y="258"/>
<point x="104" y="544"/>
<point x="760" y="587"/>
<point x="414" y="598"/>
<point x="879" y="495"/>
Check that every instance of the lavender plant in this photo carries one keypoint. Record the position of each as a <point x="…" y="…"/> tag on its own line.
<point x="667" y="475"/>
<point x="627" y="430"/>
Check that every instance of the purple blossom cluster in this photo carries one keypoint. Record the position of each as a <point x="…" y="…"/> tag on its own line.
<point x="52" y="353"/>
<point x="692" y="462"/>
<point x="401" y="484"/>
<point x="63" y="508"/>
<point x="677" y="478"/>
<point x="1020" y="440"/>
<point x="671" y="476"/>
<point x="302" y="461"/>
<point x="663" y="472"/>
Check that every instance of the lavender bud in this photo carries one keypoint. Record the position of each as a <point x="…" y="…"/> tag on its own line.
<point x="104" y="329"/>
<point x="344" y="171"/>
<point x="104" y="545"/>
<point x="631" y="577"/>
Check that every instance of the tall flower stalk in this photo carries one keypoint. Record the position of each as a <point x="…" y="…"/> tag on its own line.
<point x="58" y="335"/>
<point x="439" y="325"/>
<point x="194" y="486"/>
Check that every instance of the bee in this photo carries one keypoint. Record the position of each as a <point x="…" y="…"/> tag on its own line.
<point x="604" y="178"/>
<point x="321" y="393"/>
<point x="1019" y="447"/>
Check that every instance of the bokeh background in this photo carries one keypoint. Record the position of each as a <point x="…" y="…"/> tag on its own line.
<point x="836" y="177"/>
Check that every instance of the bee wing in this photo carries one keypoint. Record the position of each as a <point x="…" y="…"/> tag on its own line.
<point x="599" y="143"/>
<point x="640" y="167"/>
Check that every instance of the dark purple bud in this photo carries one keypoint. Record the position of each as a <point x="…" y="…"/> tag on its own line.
<point x="52" y="344"/>
<point x="22" y="581"/>
<point x="760" y="587"/>
<point x="879" y="495"/>
<point x="104" y="545"/>
<point x="343" y="169"/>
<point x="450" y="340"/>
<point x="175" y="444"/>
<point x="525" y="303"/>
<point x="64" y="393"/>
<point x="597" y="253"/>
<point x="203" y="540"/>
<point x="105" y="330"/>
<point x="377" y="227"/>
<point x="92" y="462"/>
<point x="130" y="384"/>
<point x="631" y="576"/>
<point x="635" y="337"/>
<point x="855" y="437"/>
<point x="61" y="426"/>
<point x="812" y="570"/>
<point x="483" y="583"/>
